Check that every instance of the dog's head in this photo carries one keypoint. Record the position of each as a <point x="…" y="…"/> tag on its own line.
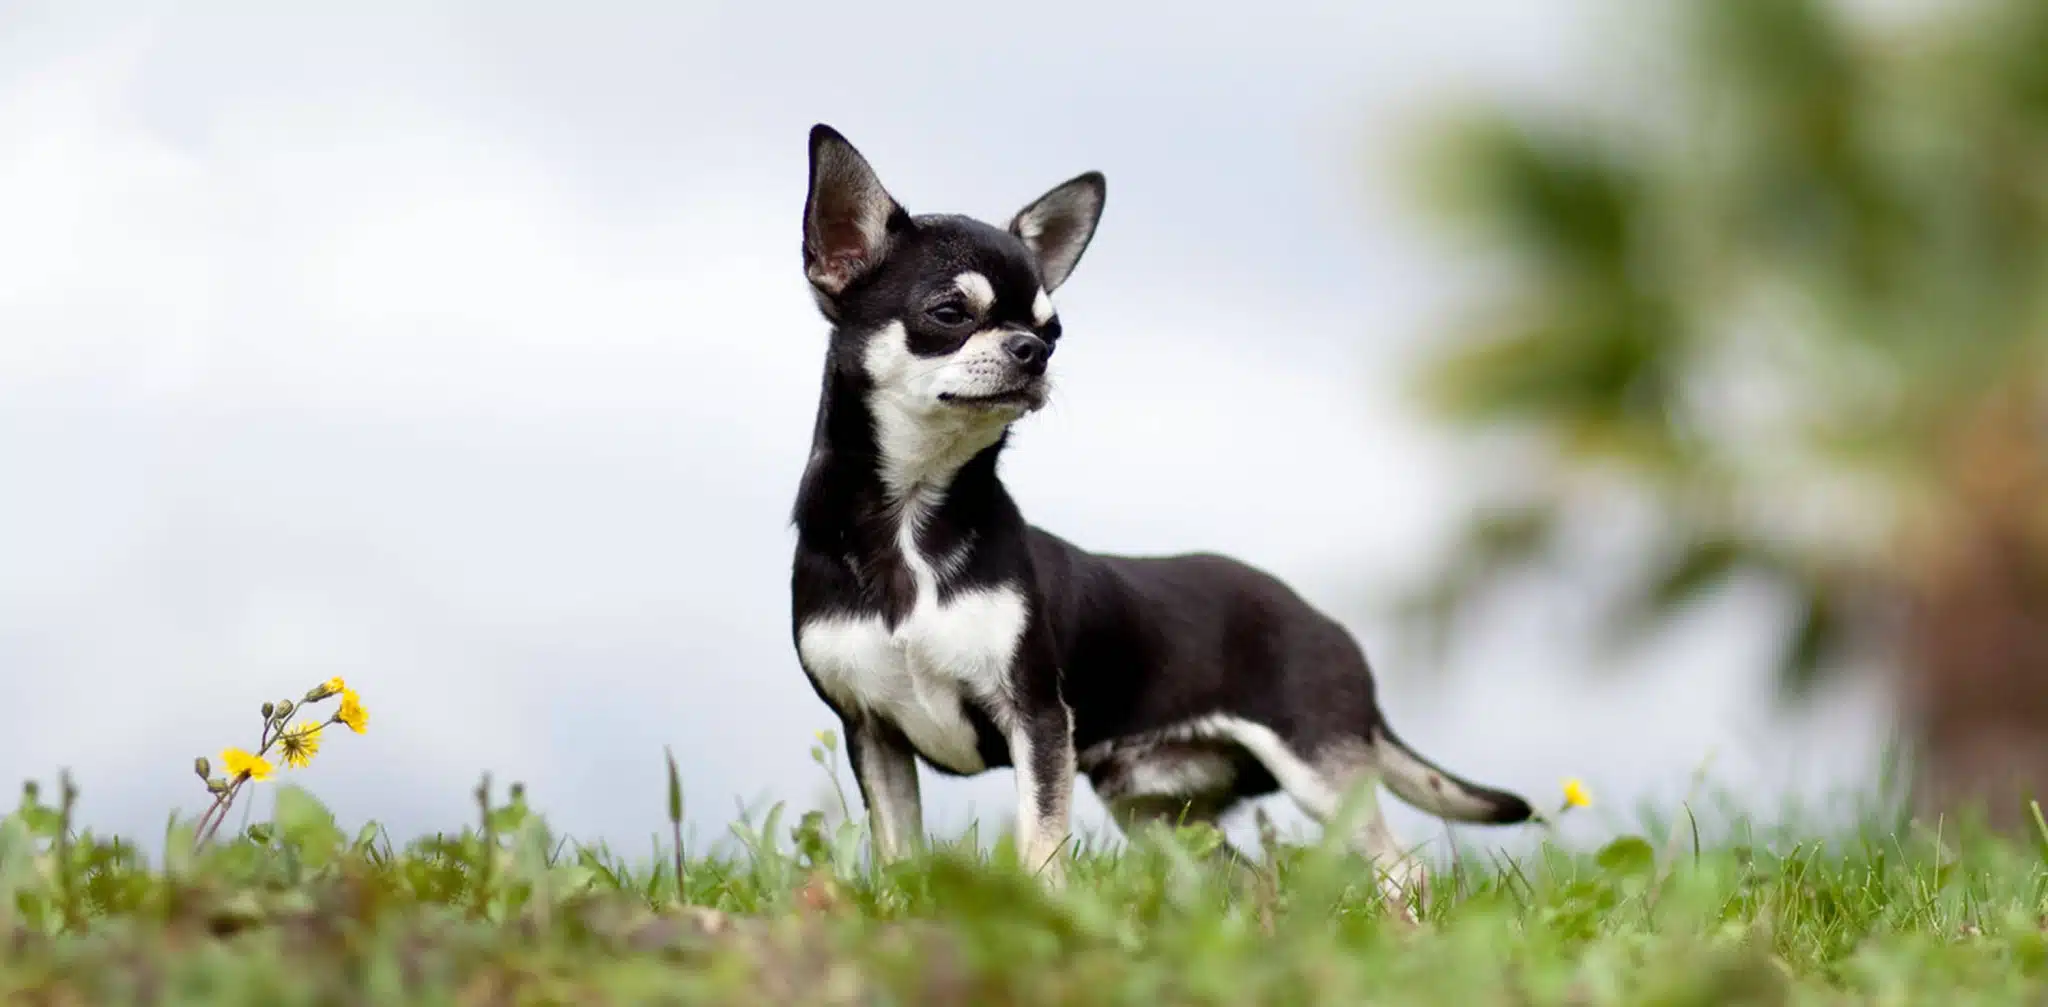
<point x="949" y="320"/>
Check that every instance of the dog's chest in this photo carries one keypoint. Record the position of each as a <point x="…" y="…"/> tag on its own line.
<point x="921" y="674"/>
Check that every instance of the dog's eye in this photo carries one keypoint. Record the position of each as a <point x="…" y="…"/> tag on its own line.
<point x="947" y="314"/>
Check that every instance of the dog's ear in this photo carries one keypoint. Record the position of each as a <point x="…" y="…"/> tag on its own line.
<point x="1058" y="225"/>
<point x="848" y="216"/>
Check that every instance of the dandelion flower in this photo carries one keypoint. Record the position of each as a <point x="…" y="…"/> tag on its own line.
<point x="240" y="763"/>
<point x="1576" y="795"/>
<point x="352" y="712"/>
<point x="298" y="744"/>
<point x="326" y="689"/>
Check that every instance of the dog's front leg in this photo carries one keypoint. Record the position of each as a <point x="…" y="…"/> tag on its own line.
<point x="1042" y="749"/>
<point x="886" y="771"/>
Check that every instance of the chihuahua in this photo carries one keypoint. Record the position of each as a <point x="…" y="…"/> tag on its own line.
<point x="940" y="626"/>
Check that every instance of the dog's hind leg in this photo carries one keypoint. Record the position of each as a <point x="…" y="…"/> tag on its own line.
<point x="1349" y="771"/>
<point x="1320" y="783"/>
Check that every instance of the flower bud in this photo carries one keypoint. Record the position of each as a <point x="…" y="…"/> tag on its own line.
<point x="202" y="767"/>
<point x="285" y="708"/>
<point x="268" y="710"/>
<point x="216" y="785"/>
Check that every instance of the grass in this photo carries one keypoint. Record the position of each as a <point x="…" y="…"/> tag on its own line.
<point x="296" y="910"/>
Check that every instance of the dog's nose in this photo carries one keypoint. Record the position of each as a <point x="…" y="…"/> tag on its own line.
<point x="1028" y="351"/>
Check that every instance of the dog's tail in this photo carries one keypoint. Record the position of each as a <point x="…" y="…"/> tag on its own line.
<point x="1423" y="784"/>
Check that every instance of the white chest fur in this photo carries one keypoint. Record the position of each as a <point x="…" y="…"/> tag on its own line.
<point x="917" y="675"/>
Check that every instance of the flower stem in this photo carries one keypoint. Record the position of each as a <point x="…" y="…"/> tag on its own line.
<point x="226" y="799"/>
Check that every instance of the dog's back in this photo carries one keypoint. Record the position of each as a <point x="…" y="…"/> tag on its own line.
<point x="1150" y="641"/>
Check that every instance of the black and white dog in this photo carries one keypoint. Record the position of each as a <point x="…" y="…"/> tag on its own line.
<point x="938" y="624"/>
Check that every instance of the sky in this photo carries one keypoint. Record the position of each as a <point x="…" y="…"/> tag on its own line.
<point x="463" y="350"/>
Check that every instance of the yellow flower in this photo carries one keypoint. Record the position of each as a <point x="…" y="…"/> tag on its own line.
<point x="298" y="744"/>
<point x="240" y="763"/>
<point x="1576" y="795"/>
<point x="326" y="689"/>
<point x="352" y="712"/>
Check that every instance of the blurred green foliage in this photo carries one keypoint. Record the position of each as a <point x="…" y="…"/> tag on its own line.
<point x="1790" y="297"/>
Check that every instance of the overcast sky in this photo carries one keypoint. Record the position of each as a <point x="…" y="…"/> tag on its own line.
<point x="463" y="350"/>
